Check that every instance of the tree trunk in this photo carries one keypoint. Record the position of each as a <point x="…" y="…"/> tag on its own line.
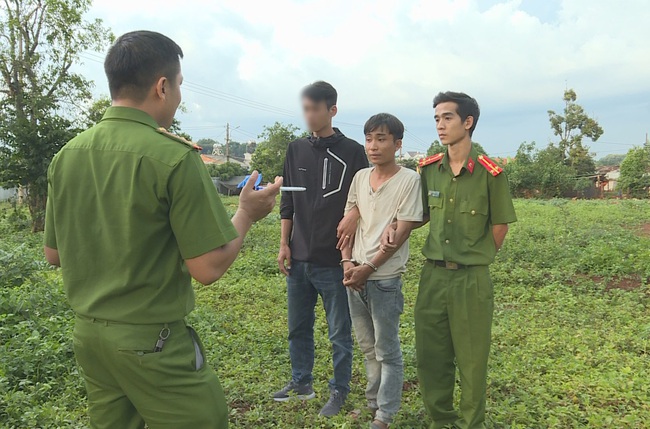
<point x="36" y="201"/>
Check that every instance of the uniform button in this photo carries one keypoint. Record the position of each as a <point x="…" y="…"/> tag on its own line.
<point x="473" y="212"/>
<point x="448" y="220"/>
<point x="451" y="200"/>
<point x="447" y="241"/>
<point x="454" y="179"/>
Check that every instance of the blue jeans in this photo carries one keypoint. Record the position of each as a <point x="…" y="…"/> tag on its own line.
<point x="304" y="284"/>
<point x="375" y="315"/>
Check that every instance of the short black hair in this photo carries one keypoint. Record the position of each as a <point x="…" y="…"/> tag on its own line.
<point x="466" y="106"/>
<point x="321" y="91"/>
<point x="394" y="126"/>
<point x="137" y="60"/>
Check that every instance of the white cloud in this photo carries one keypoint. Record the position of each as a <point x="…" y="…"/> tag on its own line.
<point x="394" y="55"/>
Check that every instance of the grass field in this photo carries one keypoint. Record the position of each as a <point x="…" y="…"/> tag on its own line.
<point x="571" y="337"/>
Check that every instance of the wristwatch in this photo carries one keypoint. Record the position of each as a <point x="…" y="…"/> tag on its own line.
<point x="343" y="261"/>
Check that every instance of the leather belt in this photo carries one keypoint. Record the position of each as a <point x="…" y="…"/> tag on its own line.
<point x="449" y="265"/>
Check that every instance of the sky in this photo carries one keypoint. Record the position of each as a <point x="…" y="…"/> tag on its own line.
<point x="246" y="62"/>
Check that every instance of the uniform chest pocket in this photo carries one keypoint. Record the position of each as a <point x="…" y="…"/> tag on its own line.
<point x="435" y="202"/>
<point x="474" y="217"/>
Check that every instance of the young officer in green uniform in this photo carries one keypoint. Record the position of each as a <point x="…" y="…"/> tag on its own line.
<point x="467" y="200"/>
<point x="132" y="215"/>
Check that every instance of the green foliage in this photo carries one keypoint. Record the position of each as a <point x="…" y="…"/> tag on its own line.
<point x="207" y="145"/>
<point x="635" y="173"/>
<point x="408" y="163"/>
<point x="611" y="160"/>
<point x="227" y="170"/>
<point x="96" y="111"/>
<point x="572" y="127"/>
<point x="40" y="40"/>
<point x="567" y="352"/>
<point x="436" y="147"/>
<point x="269" y="155"/>
<point x="540" y="173"/>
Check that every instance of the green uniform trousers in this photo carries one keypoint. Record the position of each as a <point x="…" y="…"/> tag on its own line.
<point x="129" y="385"/>
<point x="453" y="320"/>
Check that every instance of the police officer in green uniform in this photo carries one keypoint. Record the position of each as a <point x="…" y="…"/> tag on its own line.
<point x="132" y="215"/>
<point x="468" y="202"/>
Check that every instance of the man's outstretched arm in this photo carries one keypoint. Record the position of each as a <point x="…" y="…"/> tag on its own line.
<point x="253" y="206"/>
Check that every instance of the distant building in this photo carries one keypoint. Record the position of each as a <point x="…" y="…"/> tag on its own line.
<point x="8" y="194"/>
<point x="612" y="178"/>
<point x="221" y="159"/>
<point x="502" y="161"/>
<point x="413" y="155"/>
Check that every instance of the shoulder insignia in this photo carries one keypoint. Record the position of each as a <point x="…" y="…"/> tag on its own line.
<point x="489" y="165"/>
<point x="431" y="159"/>
<point x="178" y="139"/>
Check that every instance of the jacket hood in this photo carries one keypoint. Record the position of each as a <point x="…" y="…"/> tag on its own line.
<point x="325" y="142"/>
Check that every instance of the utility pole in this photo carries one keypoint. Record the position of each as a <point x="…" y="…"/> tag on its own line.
<point x="228" y="142"/>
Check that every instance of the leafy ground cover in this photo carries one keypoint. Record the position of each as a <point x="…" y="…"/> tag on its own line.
<point x="571" y="337"/>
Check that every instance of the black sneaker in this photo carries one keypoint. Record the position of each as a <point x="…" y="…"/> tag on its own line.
<point x="294" y="390"/>
<point x="334" y="405"/>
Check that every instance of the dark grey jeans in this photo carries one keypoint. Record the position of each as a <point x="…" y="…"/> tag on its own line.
<point x="375" y="315"/>
<point x="304" y="284"/>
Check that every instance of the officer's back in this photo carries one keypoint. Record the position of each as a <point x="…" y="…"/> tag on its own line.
<point x="132" y="215"/>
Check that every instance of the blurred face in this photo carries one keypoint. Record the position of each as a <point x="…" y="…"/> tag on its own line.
<point x="381" y="146"/>
<point x="317" y="115"/>
<point x="171" y="97"/>
<point x="451" y="128"/>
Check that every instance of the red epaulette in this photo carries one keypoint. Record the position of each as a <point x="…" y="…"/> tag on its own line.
<point x="431" y="159"/>
<point x="490" y="165"/>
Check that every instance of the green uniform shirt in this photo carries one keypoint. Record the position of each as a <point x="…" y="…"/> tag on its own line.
<point x="462" y="210"/>
<point x="126" y="205"/>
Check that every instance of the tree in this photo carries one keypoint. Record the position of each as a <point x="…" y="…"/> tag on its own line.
<point x="635" y="173"/>
<point x="554" y="178"/>
<point x="40" y="40"/>
<point x="269" y="155"/>
<point x="97" y="110"/>
<point x="521" y="172"/>
<point x="539" y="173"/>
<point x="227" y="170"/>
<point x="572" y="127"/>
<point x="207" y="145"/>
<point x="611" y="160"/>
<point x="408" y="163"/>
<point x="437" y="147"/>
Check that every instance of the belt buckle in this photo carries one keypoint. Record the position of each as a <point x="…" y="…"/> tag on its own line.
<point x="451" y="265"/>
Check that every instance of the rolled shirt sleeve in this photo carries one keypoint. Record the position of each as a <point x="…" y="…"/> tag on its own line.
<point x="502" y="210"/>
<point x="197" y="215"/>
<point x="410" y="207"/>
<point x="352" y="194"/>
<point x="286" y="199"/>
<point x="50" y="231"/>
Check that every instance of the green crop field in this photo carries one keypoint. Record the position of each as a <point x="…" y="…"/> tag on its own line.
<point x="571" y="337"/>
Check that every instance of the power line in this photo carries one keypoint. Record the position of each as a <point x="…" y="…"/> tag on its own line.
<point x="235" y="99"/>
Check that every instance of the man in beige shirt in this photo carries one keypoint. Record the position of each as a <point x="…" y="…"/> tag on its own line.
<point x="381" y="195"/>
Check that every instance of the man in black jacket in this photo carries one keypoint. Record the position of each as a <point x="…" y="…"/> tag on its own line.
<point x="324" y="164"/>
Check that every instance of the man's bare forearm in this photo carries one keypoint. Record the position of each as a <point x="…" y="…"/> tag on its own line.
<point x="286" y="227"/>
<point x="402" y="234"/>
<point x="499" y="233"/>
